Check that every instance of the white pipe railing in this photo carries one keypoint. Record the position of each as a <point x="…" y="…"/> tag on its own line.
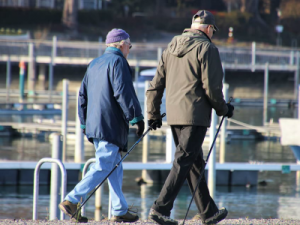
<point x="36" y="184"/>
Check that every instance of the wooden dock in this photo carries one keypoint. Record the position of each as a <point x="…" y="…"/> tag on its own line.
<point x="227" y="174"/>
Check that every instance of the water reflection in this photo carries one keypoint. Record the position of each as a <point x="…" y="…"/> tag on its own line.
<point x="241" y="202"/>
<point x="278" y="199"/>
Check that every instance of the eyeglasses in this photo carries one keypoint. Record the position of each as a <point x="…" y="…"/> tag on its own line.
<point x="130" y="45"/>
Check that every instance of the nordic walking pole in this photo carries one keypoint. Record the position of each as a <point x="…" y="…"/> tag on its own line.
<point x="202" y="172"/>
<point x="150" y="128"/>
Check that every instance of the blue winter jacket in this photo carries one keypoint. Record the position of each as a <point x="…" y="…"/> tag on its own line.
<point x="107" y="100"/>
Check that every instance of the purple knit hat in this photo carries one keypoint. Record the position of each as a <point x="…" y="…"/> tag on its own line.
<point x="116" y="35"/>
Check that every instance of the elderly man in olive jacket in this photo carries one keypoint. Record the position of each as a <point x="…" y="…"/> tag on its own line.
<point x="191" y="72"/>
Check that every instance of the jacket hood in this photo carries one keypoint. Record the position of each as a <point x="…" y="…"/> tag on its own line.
<point x="182" y="44"/>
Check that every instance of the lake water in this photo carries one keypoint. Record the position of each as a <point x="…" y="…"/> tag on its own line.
<point x="278" y="199"/>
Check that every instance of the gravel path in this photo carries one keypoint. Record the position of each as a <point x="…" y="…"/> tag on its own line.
<point x="147" y="222"/>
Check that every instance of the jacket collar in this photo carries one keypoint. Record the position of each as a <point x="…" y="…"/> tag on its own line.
<point x="114" y="51"/>
<point x="195" y="31"/>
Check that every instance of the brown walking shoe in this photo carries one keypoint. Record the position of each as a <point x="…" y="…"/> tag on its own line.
<point x="220" y="215"/>
<point x="128" y="217"/>
<point x="69" y="209"/>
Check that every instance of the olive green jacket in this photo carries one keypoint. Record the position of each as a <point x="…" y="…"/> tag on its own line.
<point x="190" y="70"/>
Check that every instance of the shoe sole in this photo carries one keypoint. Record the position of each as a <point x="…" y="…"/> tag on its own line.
<point x="124" y="220"/>
<point x="160" y="221"/>
<point x="217" y="220"/>
<point x="79" y="221"/>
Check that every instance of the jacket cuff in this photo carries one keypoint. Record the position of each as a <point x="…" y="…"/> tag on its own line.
<point x="82" y="126"/>
<point x="136" y="119"/>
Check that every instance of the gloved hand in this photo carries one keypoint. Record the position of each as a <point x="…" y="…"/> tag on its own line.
<point x="83" y="131"/>
<point x="155" y="123"/>
<point x="229" y="114"/>
<point x="140" y="129"/>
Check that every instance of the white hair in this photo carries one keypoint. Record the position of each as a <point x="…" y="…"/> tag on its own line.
<point x="199" y="26"/>
<point x="117" y="44"/>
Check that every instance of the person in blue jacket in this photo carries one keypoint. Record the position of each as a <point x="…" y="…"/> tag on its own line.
<point x="107" y="103"/>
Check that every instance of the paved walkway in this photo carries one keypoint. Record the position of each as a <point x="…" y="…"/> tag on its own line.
<point x="145" y="222"/>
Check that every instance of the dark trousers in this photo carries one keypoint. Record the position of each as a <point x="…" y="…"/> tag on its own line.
<point x="188" y="164"/>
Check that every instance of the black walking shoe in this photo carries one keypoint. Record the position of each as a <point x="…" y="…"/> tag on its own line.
<point x="129" y="217"/>
<point x="220" y="215"/>
<point x="161" y="219"/>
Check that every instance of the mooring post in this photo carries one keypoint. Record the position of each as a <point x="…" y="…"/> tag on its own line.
<point x="212" y="157"/>
<point x="146" y="138"/>
<point x="42" y="76"/>
<point x="31" y="70"/>
<point x="170" y="146"/>
<point x="223" y="129"/>
<point x="223" y="67"/>
<point x="253" y="58"/>
<point x="64" y="116"/>
<point x="98" y="204"/>
<point x="55" y="177"/>
<point x="299" y="101"/>
<point x="79" y="147"/>
<point x="292" y="57"/>
<point x="296" y="78"/>
<point x="8" y="78"/>
<point x="51" y="65"/>
<point x="136" y="75"/>
<point x="266" y="90"/>
<point x="159" y="53"/>
<point x="298" y="161"/>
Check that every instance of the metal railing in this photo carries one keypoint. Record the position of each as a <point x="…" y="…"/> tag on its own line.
<point x="249" y="55"/>
<point x="36" y="184"/>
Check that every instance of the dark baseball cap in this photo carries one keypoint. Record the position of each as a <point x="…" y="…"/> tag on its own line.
<point x="206" y="17"/>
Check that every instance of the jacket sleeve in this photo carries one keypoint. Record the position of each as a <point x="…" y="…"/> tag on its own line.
<point x="82" y="102"/>
<point x="124" y="92"/>
<point x="212" y="78"/>
<point x="156" y="90"/>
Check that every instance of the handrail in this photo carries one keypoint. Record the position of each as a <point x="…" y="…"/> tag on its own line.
<point x="36" y="184"/>
<point x="257" y="128"/>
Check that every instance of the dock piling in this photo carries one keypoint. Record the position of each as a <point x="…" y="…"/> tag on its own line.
<point x="212" y="158"/>
<point x="55" y="177"/>
<point x="51" y="65"/>
<point x="170" y="146"/>
<point x="64" y="116"/>
<point x="266" y="90"/>
<point x="223" y="129"/>
<point x="253" y="58"/>
<point x="79" y="145"/>
<point x="8" y="78"/>
<point x="136" y="75"/>
<point x="146" y="138"/>
<point x="296" y="78"/>
<point x="159" y="53"/>
<point x="31" y="70"/>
